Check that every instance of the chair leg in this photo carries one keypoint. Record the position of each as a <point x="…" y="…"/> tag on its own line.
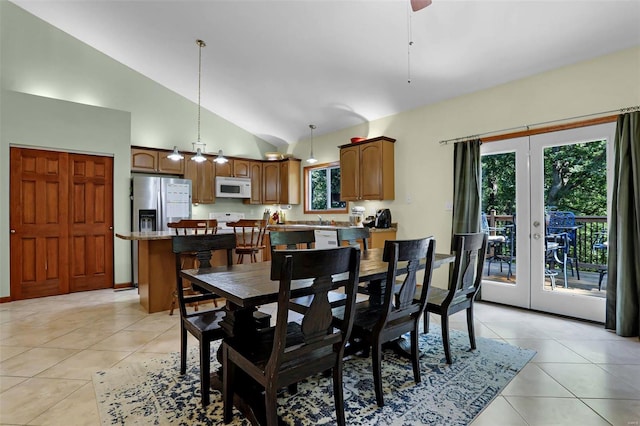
<point x="415" y="354"/>
<point x="444" y="323"/>
<point x="271" y="404"/>
<point x="470" y="327"/>
<point x="205" y="369"/>
<point x="227" y="386"/>
<point x="183" y="348"/>
<point x="425" y="320"/>
<point x="174" y="301"/>
<point x="338" y="397"/>
<point x="376" y="366"/>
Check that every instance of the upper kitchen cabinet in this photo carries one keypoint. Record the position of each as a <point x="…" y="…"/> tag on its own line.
<point x="255" y="174"/>
<point x="201" y="175"/>
<point x="154" y="161"/>
<point x="367" y="170"/>
<point x="224" y="169"/>
<point x="289" y="181"/>
<point x="281" y="182"/>
<point x="241" y="168"/>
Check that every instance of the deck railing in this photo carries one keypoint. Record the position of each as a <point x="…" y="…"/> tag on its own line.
<point x="592" y="231"/>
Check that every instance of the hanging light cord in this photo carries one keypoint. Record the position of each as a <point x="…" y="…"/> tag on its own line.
<point x="201" y="44"/>
<point x="409" y="44"/>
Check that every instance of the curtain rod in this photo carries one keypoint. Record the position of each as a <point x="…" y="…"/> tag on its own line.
<point x="528" y="126"/>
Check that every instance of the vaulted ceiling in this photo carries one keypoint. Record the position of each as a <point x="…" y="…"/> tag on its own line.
<point x="275" y="66"/>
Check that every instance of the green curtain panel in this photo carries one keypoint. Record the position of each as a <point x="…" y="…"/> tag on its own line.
<point x="467" y="184"/>
<point x="623" y="282"/>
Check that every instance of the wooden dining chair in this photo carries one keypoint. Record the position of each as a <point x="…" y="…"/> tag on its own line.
<point x="250" y="237"/>
<point x="464" y="282"/>
<point x="354" y="236"/>
<point x="291" y="239"/>
<point x="203" y="325"/>
<point x="299" y="350"/>
<point x="189" y="261"/>
<point x="395" y="311"/>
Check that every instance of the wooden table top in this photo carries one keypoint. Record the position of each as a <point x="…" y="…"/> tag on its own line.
<point x="249" y="284"/>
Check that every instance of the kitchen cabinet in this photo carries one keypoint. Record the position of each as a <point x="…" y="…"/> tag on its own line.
<point x="224" y="169"/>
<point x="379" y="236"/>
<point x="281" y="182"/>
<point x="201" y="175"/>
<point x="241" y="168"/>
<point x="367" y="170"/>
<point x="289" y="181"/>
<point x="255" y="173"/>
<point x="270" y="182"/>
<point x="155" y="161"/>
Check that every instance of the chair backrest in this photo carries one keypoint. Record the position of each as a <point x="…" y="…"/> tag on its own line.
<point x="249" y="232"/>
<point x="559" y="219"/>
<point x="318" y="332"/>
<point x="354" y="235"/>
<point x="291" y="239"/>
<point x="401" y="302"/>
<point x="202" y="245"/>
<point x="194" y="226"/>
<point x="466" y="275"/>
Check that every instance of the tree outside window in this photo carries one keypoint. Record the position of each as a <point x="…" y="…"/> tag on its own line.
<point x="322" y="189"/>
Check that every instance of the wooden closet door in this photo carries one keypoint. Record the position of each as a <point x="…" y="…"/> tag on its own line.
<point x="90" y="222"/>
<point x="38" y="218"/>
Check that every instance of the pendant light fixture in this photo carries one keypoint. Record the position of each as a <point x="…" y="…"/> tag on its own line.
<point x="175" y="155"/>
<point x="221" y="159"/>
<point x="311" y="158"/>
<point x="199" y="158"/>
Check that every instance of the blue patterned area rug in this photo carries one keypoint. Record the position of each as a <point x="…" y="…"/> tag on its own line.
<point x="154" y="393"/>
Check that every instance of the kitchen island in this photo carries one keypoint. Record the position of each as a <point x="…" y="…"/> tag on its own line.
<point x="157" y="267"/>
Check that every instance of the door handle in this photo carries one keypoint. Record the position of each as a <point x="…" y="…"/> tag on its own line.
<point x="536" y="236"/>
<point x="13" y="231"/>
<point x="536" y="224"/>
<point x="111" y="228"/>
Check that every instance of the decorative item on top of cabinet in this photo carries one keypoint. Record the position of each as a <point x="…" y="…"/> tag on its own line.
<point x="154" y="161"/>
<point x="367" y="170"/>
<point x="201" y="175"/>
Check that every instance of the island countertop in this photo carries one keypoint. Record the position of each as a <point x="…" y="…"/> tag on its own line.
<point x="306" y="226"/>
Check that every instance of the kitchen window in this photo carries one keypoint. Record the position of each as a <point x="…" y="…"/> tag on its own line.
<point x="322" y="189"/>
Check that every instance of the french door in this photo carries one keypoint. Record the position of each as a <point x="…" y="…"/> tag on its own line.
<point x="534" y="270"/>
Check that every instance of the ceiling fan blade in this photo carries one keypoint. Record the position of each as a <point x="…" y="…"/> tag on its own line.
<point x="416" y="5"/>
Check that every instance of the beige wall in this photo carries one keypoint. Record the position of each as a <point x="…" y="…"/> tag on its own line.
<point x="423" y="167"/>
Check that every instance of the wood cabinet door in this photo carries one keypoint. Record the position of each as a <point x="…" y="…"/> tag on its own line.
<point x="371" y="171"/>
<point x="241" y="168"/>
<point x="191" y="172"/>
<point x="144" y="160"/>
<point x="206" y="176"/>
<point x="271" y="183"/>
<point x="224" y="169"/>
<point x="290" y="182"/>
<point x="91" y="222"/>
<point x="38" y="218"/>
<point x="169" y="166"/>
<point x="255" y="174"/>
<point x="202" y="176"/>
<point x="350" y="173"/>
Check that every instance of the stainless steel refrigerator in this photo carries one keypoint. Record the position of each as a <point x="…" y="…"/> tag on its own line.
<point x="157" y="201"/>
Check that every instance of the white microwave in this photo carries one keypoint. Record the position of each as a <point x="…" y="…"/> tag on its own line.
<point x="233" y="187"/>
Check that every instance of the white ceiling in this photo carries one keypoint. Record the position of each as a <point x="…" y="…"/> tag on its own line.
<point x="273" y="67"/>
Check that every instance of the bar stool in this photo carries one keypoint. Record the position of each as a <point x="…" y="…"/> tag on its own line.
<point x="250" y="237"/>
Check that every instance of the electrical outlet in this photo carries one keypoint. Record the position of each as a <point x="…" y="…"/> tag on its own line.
<point x="409" y="199"/>
<point x="448" y="206"/>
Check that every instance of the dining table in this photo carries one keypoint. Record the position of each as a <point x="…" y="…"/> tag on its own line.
<point x="246" y="287"/>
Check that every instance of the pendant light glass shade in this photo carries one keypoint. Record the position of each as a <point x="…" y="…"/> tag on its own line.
<point x="175" y="155"/>
<point x="311" y="159"/>
<point x="221" y="159"/>
<point x="199" y="158"/>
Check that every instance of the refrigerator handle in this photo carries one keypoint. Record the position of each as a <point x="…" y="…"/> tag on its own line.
<point x="160" y="215"/>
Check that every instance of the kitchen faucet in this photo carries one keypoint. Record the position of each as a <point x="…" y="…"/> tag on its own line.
<point x="320" y="219"/>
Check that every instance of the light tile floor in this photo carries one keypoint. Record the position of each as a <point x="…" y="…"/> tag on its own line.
<point x="49" y="347"/>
